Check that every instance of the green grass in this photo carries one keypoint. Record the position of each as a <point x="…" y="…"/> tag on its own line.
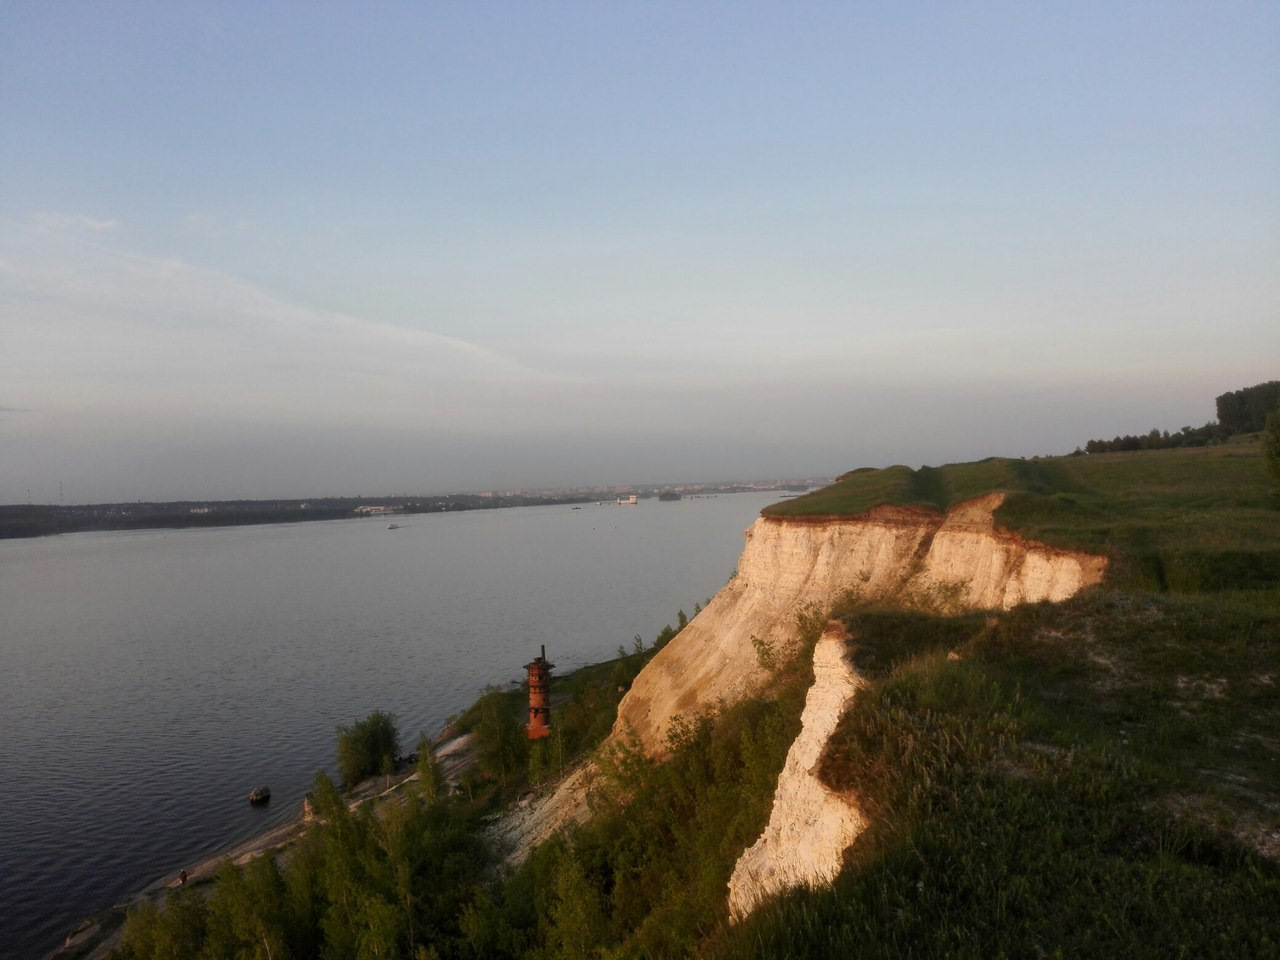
<point x="646" y="876"/>
<point x="1094" y="778"/>
<point x="584" y="705"/>
<point x="1087" y="779"/>
<point x="936" y="488"/>
<point x="1185" y="520"/>
<point x="1097" y="778"/>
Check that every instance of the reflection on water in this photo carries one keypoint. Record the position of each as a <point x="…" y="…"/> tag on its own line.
<point x="148" y="680"/>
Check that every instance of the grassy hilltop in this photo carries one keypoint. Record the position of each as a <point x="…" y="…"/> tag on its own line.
<point x="1099" y="777"/>
<point x="1096" y="778"/>
<point x="1184" y="519"/>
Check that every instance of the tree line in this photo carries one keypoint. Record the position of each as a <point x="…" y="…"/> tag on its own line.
<point x="1239" y="411"/>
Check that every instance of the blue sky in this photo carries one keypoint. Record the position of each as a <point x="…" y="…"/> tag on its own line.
<point x="291" y="250"/>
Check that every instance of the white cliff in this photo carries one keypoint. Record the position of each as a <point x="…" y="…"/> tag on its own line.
<point x="810" y="825"/>
<point x="960" y="561"/>
<point x="792" y="566"/>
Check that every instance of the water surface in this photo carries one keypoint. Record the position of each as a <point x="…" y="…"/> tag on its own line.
<point x="149" y="679"/>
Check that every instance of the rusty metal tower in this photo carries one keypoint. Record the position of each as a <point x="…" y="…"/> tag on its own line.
<point x="539" y="696"/>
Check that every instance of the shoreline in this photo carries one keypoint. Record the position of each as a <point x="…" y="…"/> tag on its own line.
<point x="32" y="521"/>
<point x="94" y="937"/>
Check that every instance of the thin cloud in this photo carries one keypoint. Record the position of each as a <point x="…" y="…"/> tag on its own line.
<point x="72" y="223"/>
<point x="93" y="328"/>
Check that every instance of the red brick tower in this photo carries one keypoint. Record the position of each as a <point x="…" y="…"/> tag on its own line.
<point x="539" y="696"/>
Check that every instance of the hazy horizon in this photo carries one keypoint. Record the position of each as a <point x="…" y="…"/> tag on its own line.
<point x="609" y="489"/>
<point x="252" y="253"/>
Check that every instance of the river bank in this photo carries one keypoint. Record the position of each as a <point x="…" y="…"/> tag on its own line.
<point x="95" y="937"/>
<point x="149" y="679"/>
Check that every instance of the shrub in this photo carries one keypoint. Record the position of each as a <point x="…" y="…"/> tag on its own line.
<point x="367" y="747"/>
<point x="1271" y="448"/>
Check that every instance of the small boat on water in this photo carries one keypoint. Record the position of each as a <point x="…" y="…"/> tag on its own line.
<point x="259" y="795"/>
<point x="393" y="526"/>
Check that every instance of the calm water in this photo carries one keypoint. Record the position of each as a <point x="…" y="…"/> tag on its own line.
<point x="149" y="679"/>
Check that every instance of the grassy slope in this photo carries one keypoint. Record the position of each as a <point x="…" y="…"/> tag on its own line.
<point x="1100" y="777"/>
<point x="1095" y="778"/>
<point x="1189" y="519"/>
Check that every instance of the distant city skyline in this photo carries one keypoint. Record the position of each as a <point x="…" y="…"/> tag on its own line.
<point x="279" y="251"/>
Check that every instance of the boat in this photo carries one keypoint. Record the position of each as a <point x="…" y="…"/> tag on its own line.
<point x="259" y="795"/>
<point x="393" y="526"/>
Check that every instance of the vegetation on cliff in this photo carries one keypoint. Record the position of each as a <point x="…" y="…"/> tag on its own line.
<point x="1094" y="778"/>
<point x="412" y="876"/>
<point x="1189" y="519"/>
<point x="1097" y="777"/>
<point x="1239" y="412"/>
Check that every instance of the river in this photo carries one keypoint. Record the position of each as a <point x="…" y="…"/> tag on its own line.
<point x="150" y="679"/>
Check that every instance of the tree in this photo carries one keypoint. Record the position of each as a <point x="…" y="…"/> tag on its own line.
<point x="431" y="779"/>
<point x="1271" y="448"/>
<point x="174" y="933"/>
<point x="248" y="912"/>
<point x="367" y="747"/>
<point x="665" y="636"/>
<point x="500" y="738"/>
<point x="1245" y="411"/>
<point x="578" y="921"/>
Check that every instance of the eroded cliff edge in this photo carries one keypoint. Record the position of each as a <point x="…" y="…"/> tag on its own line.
<point x="810" y="824"/>
<point x="791" y="566"/>
<point x="907" y="556"/>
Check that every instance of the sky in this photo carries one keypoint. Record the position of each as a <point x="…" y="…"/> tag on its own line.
<point x="291" y="250"/>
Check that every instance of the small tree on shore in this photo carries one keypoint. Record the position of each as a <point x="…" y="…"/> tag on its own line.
<point x="367" y="747"/>
<point x="431" y="779"/>
<point x="501" y="743"/>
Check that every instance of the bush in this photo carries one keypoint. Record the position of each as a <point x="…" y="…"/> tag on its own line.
<point x="1271" y="448"/>
<point x="367" y="747"/>
<point x="391" y="883"/>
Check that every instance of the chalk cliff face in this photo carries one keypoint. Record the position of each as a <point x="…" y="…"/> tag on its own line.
<point x="910" y="557"/>
<point x="810" y="825"/>
<point x="913" y="557"/>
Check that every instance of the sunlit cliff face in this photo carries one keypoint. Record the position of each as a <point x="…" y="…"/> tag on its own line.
<point x="789" y="567"/>
<point x="916" y="558"/>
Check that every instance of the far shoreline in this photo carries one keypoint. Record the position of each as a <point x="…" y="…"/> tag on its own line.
<point x="29" y="521"/>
